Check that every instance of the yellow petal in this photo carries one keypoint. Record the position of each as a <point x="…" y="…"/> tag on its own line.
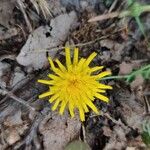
<point x="46" y="94"/>
<point x="102" y="97"/>
<point x="75" y="59"/>
<point x="78" y="102"/>
<point x="53" y="77"/>
<point x="49" y="82"/>
<point x="51" y="63"/>
<point x="61" y="66"/>
<point x="100" y="91"/>
<point x="54" y="97"/>
<point x="92" y="106"/>
<point x="97" y="68"/>
<point x="90" y="58"/>
<point x="91" y="86"/>
<point x="103" y="74"/>
<point x="56" y="104"/>
<point x="60" y="74"/>
<point x="103" y="86"/>
<point x="56" y="70"/>
<point x="80" y="64"/>
<point x="88" y="93"/>
<point x="62" y="107"/>
<point x="68" y="59"/>
<point x="85" y="107"/>
<point x="95" y="89"/>
<point x="81" y="112"/>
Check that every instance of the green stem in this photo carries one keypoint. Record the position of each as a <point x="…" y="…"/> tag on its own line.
<point x="146" y="8"/>
<point x="140" y="26"/>
<point x="141" y="70"/>
<point x="126" y="76"/>
<point x="126" y="13"/>
<point x="115" y="77"/>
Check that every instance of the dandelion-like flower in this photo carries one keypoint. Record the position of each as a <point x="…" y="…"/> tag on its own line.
<point x="75" y="85"/>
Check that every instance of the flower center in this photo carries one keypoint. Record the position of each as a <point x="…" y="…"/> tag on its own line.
<point x="74" y="83"/>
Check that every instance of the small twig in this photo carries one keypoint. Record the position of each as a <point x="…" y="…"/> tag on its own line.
<point x="125" y="13"/>
<point x="33" y="130"/>
<point x="109" y="15"/>
<point x="23" y="32"/>
<point x="17" y="86"/>
<point x="7" y="56"/>
<point x="11" y="95"/>
<point x="84" y="133"/>
<point x="113" y="120"/>
<point x="77" y="45"/>
<point x="71" y="46"/>
<point x="112" y="6"/>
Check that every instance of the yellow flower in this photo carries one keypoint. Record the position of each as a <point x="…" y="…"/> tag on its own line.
<point x="75" y="85"/>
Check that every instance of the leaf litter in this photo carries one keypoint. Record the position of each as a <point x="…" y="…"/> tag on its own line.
<point x="29" y="123"/>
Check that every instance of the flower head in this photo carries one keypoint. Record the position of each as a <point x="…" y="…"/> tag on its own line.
<point x="75" y="85"/>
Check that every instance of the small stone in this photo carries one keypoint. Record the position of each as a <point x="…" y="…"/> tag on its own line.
<point x="59" y="131"/>
<point x="14" y="119"/>
<point x="12" y="136"/>
<point x="125" y="68"/>
<point x="137" y="82"/>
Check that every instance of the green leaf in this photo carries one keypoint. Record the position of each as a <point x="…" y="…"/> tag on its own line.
<point x="146" y="138"/>
<point x="140" y="25"/>
<point x="135" y="9"/>
<point x="130" y="2"/>
<point x="146" y="133"/>
<point x="146" y="74"/>
<point x="144" y="71"/>
<point x="77" y="145"/>
<point x="130" y="78"/>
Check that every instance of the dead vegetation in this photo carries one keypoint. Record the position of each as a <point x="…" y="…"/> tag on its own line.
<point x="29" y="32"/>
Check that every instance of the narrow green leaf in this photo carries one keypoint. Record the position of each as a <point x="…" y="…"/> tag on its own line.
<point x="77" y="145"/>
<point x="141" y="27"/>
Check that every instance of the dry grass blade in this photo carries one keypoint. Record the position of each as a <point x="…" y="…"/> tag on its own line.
<point x="35" y="4"/>
<point x="43" y="6"/>
<point x="22" y="8"/>
<point x="105" y="16"/>
<point x="14" y="97"/>
<point x="110" y="15"/>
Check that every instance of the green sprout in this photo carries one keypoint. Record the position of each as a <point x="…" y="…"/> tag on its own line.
<point x="144" y="71"/>
<point x="134" y="9"/>
<point x="146" y="133"/>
